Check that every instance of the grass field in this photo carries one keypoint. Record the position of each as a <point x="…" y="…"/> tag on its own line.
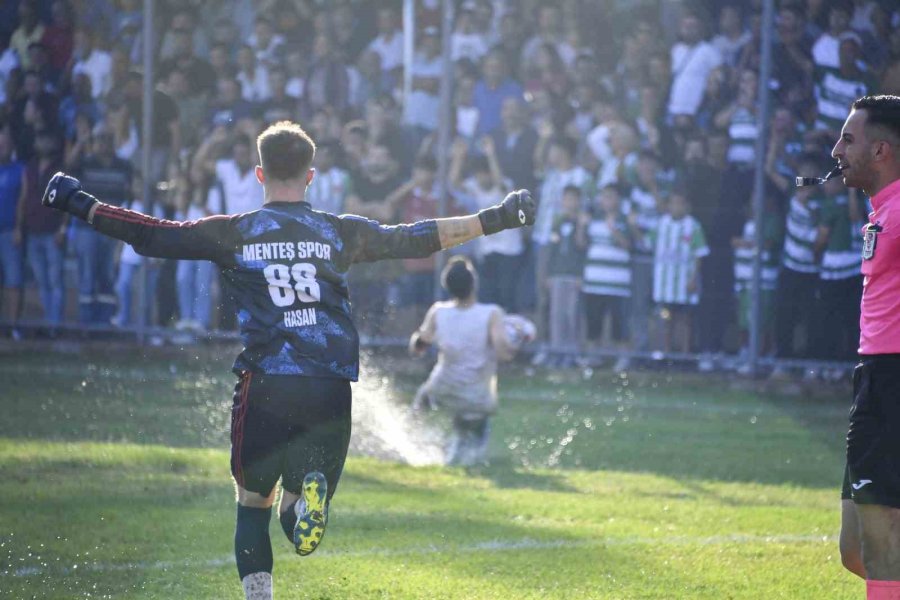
<point x="115" y="484"/>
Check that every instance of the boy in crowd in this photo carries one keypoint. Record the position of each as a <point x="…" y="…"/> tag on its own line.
<point x="744" y="251"/>
<point x="679" y="247"/>
<point x="607" y="271"/>
<point x="565" y="268"/>
<point x="799" y="278"/>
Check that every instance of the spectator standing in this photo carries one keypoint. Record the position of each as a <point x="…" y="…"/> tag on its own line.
<point x="840" y="285"/>
<point x="253" y="77"/>
<point x="12" y="173"/>
<point x="331" y="185"/>
<point x="647" y="202"/>
<point x="501" y="257"/>
<point x="732" y="34"/>
<point x="744" y="246"/>
<point x="826" y="49"/>
<point x="106" y="176"/>
<point x="692" y="60"/>
<point x="92" y="61"/>
<point x="837" y="88"/>
<point x="466" y="42"/>
<point x="565" y="269"/>
<point x="130" y="263"/>
<point x="680" y="246"/>
<point x="44" y="231"/>
<point x="491" y="90"/>
<point x="514" y="143"/>
<point x="388" y="44"/>
<point x="799" y="278"/>
<point x="194" y="278"/>
<point x="421" y="107"/>
<point x="606" y="284"/>
<point x="29" y="31"/>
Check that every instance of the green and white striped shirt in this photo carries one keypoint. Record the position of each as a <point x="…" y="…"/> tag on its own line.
<point x="742" y="131"/>
<point x="607" y="267"/>
<point x="801" y="229"/>
<point x="842" y="258"/>
<point x="679" y="243"/>
<point x="834" y="95"/>
<point x="743" y="257"/>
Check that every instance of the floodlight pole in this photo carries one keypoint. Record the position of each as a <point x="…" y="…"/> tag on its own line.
<point x="759" y="179"/>
<point x="147" y="192"/>
<point x="444" y="134"/>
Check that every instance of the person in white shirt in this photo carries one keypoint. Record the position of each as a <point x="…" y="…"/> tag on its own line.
<point x="470" y="338"/>
<point x="733" y="35"/>
<point x="253" y="77"/>
<point x="389" y="43"/>
<point x="421" y="107"/>
<point x="501" y="255"/>
<point x="826" y="50"/>
<point x="92" y="61"/>
<point x="692" y="60"/>
<point x="466" y="41"/>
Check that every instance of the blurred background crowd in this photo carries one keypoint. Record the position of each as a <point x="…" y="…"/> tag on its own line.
<point x="634" y="124"/>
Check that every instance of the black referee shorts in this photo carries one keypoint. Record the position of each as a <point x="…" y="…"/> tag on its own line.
<point x="286" y="426"/>
<point x="872" y="475"/>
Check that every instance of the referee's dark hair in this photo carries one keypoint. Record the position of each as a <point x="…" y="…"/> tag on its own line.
<point x="882" y="111"/>
<point x="285" y="151"/>
<point x="458" y="277"/>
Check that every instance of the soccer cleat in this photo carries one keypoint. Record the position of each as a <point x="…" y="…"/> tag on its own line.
<point x="313" y="517"/>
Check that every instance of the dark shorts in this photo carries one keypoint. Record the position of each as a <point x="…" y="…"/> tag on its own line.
<point x="872" y="475"/>
<point x="286" y="426"/>
<point x="597" y="306"/>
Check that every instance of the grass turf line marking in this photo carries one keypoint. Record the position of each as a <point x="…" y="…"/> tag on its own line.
<point x="497" y="545"/>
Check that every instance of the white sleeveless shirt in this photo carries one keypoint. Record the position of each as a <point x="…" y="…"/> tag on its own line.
<point x="465" y="376"/>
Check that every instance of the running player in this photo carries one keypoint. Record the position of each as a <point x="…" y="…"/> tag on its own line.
<point x="284" y="266"/>
<point x="868" y="152"/>
<point x="470" y="337"/>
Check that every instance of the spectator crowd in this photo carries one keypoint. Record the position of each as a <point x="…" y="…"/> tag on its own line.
<point x="633" y="123"/>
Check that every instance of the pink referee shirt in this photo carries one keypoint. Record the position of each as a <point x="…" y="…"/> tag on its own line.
<point x="879" y="322"/>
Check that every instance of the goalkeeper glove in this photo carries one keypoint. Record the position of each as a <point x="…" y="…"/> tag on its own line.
<point x="64" y="193"/>
<point x="516" y="210"/>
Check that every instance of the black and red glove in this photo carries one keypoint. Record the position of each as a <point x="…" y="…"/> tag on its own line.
<point x="64" y="193"/>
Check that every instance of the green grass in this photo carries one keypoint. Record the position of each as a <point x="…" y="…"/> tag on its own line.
<point x="116" y="485"/>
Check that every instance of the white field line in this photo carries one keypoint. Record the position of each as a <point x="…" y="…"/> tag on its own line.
<point x="496" y="545"/>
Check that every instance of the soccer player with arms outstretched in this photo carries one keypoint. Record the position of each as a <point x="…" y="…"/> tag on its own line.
<point x="285" y="267"/>
<point x="868" y="153"/>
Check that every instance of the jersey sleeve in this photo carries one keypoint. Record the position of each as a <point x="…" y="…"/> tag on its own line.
<point x="366" y="240"/>
<point x="698" y="242"/>
<point x="211" y="238"/>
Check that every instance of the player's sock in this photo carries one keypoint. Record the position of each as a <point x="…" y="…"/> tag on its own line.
<point x="882" y="590"/>
<point x="289" y="519"/>
<point x="252" y="546"/>
<point x="257" y="586"/>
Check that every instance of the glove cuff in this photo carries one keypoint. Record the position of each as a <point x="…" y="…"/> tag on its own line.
<point x="80" y="204"/>
<point x="491" y="220"/>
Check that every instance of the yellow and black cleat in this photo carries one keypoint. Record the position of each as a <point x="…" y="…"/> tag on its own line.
<point x="310" y="527"/>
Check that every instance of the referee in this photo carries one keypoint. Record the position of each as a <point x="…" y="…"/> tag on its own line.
<point x="284" y="268"/>
<point x="868" y="152"/>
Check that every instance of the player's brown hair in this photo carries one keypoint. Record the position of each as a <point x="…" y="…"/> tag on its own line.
<point x="285" y="151"/>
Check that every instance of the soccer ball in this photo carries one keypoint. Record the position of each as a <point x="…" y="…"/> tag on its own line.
<point x="519" y="330"/>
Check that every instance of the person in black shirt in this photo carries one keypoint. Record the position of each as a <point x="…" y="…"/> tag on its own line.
<point x="285" y="266"/>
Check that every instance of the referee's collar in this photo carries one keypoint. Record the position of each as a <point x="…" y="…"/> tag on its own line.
<point x="892" y="190"/>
